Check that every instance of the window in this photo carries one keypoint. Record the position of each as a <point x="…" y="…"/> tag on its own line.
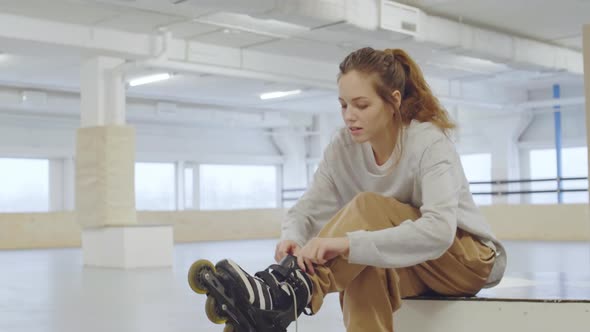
<point x="478" y="168"/>
<point x="575" y="164"/>
<point x="189" y="188"/>
<point x="543" y="165"/>
<point x="24" y="185"/>
<point x="155" y="186"/>
<point x="225" y="187"/>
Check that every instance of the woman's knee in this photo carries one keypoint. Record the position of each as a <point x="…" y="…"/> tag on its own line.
<point x="371" y="203"/>
<point x="368" y="197"/>
<point x="371" y="200"/>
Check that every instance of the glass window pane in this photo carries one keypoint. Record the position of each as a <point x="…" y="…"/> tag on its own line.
<point x="287" y="204"/>
<point x="188" y="188"/>
<point x="575" y="197"/>
<point x="154" y="186"/>
<point x="543" y="166"/>
<point x="224" y="187"/>
<point x="575" y="164"/>
<point x="291" y="196"/>
<point x="24" y="185"/>
<point x="575" y="184"/>
<point x="478" y="167"/>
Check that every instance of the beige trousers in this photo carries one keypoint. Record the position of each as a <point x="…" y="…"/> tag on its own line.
<point x="369" y="295"/>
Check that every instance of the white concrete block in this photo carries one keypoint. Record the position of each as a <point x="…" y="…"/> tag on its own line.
<point x="492" y="316"/>
<point x="128" y="247"/>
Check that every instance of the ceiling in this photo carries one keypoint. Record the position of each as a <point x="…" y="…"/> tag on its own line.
<point x="557" y="22"/>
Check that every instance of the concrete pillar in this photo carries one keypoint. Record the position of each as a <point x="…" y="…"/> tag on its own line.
<point x="279" y="186"/>
<point x="102" y="92"/>
<point x="196" y="187"/>
<point x="455" y="90"/>
<point x="505" y="166"/>
<point x="61" y="184"/>
<point x="291" y="144"/>
<point x="525" y="173"/>
<point x="69" y="184"/>
<point x="586" y="41"/>
<point x="105" y="167"/>
<point x="180" y="205"/>
<point x="503" y="134"/>
<point x="56" y="185"/>
<point x="327" y="125"/>
<point x="105" y="148"/>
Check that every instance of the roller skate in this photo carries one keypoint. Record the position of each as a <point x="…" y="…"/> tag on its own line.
<point x="266" y="302"/>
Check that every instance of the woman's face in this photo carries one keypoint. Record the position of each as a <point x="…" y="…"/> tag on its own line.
<point x="363" y="111"/>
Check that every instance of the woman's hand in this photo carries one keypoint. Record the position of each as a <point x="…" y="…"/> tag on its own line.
<point x="284" y="248"/>
<point x="321" y="250"/>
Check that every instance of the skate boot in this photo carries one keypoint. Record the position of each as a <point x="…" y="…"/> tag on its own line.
<point x="266" y="302"/>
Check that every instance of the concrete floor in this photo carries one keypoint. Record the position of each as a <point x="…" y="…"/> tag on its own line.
<point x="49" y="290"/>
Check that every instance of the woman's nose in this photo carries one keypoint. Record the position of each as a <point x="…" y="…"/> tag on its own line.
<point x="348" y="114"/>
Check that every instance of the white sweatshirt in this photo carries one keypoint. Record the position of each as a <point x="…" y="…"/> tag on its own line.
<point x="429" y="175"/>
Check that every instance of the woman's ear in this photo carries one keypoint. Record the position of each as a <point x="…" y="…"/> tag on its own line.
<point x="397" y="98"/>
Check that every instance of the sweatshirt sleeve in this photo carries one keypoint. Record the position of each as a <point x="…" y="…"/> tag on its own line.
<point x="317" y="205"/>
<point x="428" y="237"/>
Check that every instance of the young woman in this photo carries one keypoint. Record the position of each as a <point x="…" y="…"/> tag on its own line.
<point x="389" y="214"/>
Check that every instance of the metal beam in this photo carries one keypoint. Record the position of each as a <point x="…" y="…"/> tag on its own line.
<point x="38" y="32"/>
<point x="586" y="43"/>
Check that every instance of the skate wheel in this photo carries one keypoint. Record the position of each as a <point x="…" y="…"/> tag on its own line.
<point x="213" y="312"/>
<point x="195" y="274"/>
<point x="229" y="328"/>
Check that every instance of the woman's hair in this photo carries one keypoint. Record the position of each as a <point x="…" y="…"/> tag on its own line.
<point x="393" y="69"/>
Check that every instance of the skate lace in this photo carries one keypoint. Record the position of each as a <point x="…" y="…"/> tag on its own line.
<point x="294" y="306"/>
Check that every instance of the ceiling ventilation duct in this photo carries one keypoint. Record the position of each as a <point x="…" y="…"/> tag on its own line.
<point x="374" y="22"/>
<point x="469" y="40"/>
<point x="400" y="18"/>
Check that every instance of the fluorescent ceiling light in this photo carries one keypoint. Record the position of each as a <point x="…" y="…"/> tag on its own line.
<point x="149" y="79"/>
<point x="279" y="94"/>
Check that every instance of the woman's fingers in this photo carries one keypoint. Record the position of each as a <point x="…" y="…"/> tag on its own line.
<point x="301" y="263"/>
<point x="279" y="252"/>
<point x="310" y="268"/>
<point x="306" y="259"/>
<point x="316" y="251"/>
<point x="305" y="264"/>
<point x="321" y="256"/>
<point x="284" y="248"/>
